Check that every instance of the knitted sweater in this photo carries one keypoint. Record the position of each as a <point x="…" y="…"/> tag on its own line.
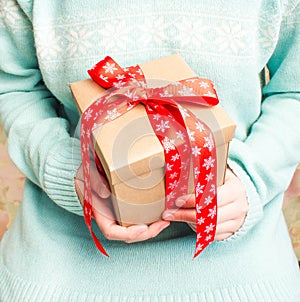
<point x="48" y="254"/>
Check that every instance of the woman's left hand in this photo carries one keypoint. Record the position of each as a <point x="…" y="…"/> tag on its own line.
<point x="104" y="214"/>
<point x="232" y="208"/>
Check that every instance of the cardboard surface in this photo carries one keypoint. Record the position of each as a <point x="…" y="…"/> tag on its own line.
<point x="132" y="156"/>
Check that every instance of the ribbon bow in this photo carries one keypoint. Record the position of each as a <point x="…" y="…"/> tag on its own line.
<point x="187" y="142"/>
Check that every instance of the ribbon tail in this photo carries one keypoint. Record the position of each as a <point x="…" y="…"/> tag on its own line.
<point x="98" y="244"/>
<point x="200" y="230"/>
<point x="203" y="158"/>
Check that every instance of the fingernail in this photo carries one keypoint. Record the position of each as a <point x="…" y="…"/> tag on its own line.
<point x="104" y="192"/>
<point x="180" y="201"/>
<point x="167" y="216"/>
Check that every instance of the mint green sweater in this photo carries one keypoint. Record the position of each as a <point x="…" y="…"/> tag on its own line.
<point x="48" y="254"/>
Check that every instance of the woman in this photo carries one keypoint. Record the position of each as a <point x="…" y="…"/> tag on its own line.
<point x="48" y="254"/>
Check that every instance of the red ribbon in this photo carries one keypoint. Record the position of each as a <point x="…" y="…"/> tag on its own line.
<point x="186" y="140"/>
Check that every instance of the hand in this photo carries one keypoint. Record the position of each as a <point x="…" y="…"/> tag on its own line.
<point x="99" y="185"/>
<point x="103" y="212"/>
<point x="232" y="208"/>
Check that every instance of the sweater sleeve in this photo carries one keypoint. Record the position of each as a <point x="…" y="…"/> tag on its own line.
<point x="39" y="142"/>
<point x="266" y="160"/>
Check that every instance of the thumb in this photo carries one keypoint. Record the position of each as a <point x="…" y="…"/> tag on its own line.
<point x="104" y="189"/>
<point x="99" y="183"/>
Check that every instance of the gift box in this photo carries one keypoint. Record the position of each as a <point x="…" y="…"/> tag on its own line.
<point x="130" y="153"/>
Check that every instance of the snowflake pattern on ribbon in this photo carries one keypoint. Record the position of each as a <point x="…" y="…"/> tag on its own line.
<point x="175" y="127"/>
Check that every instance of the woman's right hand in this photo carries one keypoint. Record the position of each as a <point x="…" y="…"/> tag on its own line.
<point x="104" y="215"/>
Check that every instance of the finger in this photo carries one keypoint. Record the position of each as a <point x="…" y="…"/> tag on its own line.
<point x="226" y="227"/>
<point x="222" y="236"/>
<point x="186" y="201"/>
<point x="193" y="226"/>
<point x="109" y="227"/>
<point x="231" y="190"/>
<point x="79" y="173"/>
<point x="228" y="174"/>
<point x="135" y="233"/>
<point x="184" y="215"/>
<point x="232" y="211"/>
<point x="230" y="226"/>
<point x="103" y="208"/>
<point x="153" y="230"/>
<point x="79" y="186"/>
<point x="102" y="187"/>
<point x="225" y="195"/>
<point x="113" y="231"/>
<point x="99" y="183"/>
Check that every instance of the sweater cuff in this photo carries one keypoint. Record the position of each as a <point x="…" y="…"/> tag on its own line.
<point x="61" y="167"/>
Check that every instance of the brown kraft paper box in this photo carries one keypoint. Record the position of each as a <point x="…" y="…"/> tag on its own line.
<point x="131" y="154"/>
